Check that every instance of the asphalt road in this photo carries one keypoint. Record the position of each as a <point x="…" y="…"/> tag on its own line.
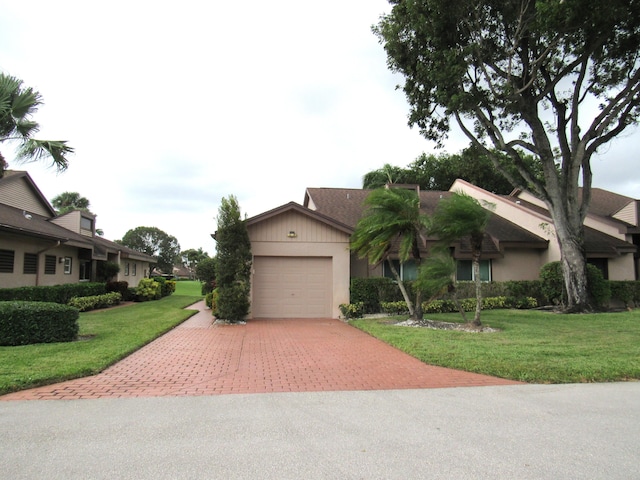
<point x="589" y="431"/>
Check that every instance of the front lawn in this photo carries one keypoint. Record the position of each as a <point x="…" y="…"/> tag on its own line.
<point x="106" y="336"/>
<point x="531" y="346"/>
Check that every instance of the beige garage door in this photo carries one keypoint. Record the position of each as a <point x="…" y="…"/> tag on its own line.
<point x="292" y="287"/>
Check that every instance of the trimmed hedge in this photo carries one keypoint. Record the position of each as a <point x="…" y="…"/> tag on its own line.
<point x="468" y="305"/>
<point x="148" y="289"/>
<point x="24" y="323"/>
<point x="54" y="293"/>
<point x="84" y="304"/>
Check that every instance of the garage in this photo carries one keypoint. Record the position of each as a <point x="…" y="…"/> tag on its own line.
<point x="292" y="287"/>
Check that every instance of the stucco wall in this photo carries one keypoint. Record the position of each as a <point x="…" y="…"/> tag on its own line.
<point x="22" y="245"/>
<point x="517" y="265"/>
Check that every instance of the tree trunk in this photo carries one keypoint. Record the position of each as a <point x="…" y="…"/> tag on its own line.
<point x="403" y="290"/>
<point x="476" y="273"/>
<point x="574" y="270"/>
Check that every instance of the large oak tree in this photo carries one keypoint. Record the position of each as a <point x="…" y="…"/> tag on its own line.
<point x="556" y="79"/>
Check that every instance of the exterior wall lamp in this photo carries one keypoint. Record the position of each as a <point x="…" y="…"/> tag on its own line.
<point x="292" y="234"/>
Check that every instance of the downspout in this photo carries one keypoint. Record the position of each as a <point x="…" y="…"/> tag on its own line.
<point x="38" y="266"/>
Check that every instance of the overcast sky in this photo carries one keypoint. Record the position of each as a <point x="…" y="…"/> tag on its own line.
<point x="171" y="106"/>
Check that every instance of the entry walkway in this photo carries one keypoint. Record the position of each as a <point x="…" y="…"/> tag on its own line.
<point x="263" y="356"/>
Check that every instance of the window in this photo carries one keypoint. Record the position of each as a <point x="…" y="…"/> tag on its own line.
<point x="407" y="270"/>
<point x="85" y="270"/>
<point x="464" y="271"/>
<point x="86" y="223"/>
<point x="67" y="265"/>
<point x="30" y="263"/>
<point x="134" y="269"/>
<point x="6" y="261"/>
<point x="50" y="264"/>
<point x="126" y="269"/>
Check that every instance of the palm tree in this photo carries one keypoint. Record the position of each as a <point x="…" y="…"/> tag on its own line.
<point x="392" y="218"/>
<point x="68" y="201"/>
<point x="17" y="105"/>
<point x="460" y="216"/>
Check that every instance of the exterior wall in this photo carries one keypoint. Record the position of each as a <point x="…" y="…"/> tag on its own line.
<point x="622" y="268"/>
<point x="18" y="194"/>
<point x="629" y="214"/>
<point x="137" y="270"/>
<point x="22" y="245"/>
<point x="517" y="265"/>
<point x="313" y="239"/>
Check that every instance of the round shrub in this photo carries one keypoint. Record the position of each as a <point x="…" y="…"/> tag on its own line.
<point x="24" y="323"/>
<point x="598" y="287"/>
<point x="553" y="283"/>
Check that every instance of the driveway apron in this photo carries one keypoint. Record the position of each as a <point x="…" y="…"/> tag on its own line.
<point x="263" y="356"/>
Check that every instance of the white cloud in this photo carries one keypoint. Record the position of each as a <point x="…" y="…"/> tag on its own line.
<point x="172" y="106"/>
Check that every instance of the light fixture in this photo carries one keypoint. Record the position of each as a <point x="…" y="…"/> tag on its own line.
<point x="26" y="215"/>
<point x="60" y="259"/>
<point x="291" y="234"/>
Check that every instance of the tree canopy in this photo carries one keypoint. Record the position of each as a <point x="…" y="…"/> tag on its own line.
<point x="153" y="242"/>
<point x="18" y="104"/>
<point x="69" y="201"/>
<point x="556" y="79"/>
<point x="233" y="262"/>
<point x="438" y="172"/>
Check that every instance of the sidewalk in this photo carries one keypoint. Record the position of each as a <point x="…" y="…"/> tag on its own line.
<point x="264" y="356"/>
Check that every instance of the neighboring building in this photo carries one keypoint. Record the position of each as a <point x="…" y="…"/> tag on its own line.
<point x="302" y="264"/>
<point x="37" y="247"/>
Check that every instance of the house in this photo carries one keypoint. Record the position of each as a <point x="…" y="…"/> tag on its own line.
<point x="38" y="247"/>
<point x="302" y="263"/>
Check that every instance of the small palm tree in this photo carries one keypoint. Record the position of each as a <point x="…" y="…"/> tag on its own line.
<point x="460" y="216"/>
<point x="68" y="201"/>
<point x="392" y="218"/>
<point x="17" y="105"/>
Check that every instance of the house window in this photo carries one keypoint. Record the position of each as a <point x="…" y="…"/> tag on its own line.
<point x="126" y="269"/>
<point x="85" y="270"/>
<point x="67" y="265"/>
<point x="134" y="269"/>
<point x="464" y="271"/>
<point x="50" y="264"/>
<point x="86" y="223"/>
<point x="6" y="261"/>
<point x="30" y="264"/>
<point x="407" y="270"/>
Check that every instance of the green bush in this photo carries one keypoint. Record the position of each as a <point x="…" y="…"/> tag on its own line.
<point x="598" y="288"/>
<point x="467" y="304"/>
<point x="167" y="287"/>
<point x="84" y="304"/>
<point x="25" y="323"/>
<point x="105" y="271"/>
<point x="552" y="281"/>
<point x="394" y="308"/>
<point x="55" y="293"/>
<point x="148" y="289"/>
<point x="352" y="310"/>
<point x="120" y="287"/>
<point x="233" y="302"/>
<point x="627" y="292"/>
<point x="215" y="295"/>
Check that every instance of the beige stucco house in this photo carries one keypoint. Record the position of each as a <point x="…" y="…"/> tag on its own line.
<point x="303" y="266"/>
<point x="38" y="247"/>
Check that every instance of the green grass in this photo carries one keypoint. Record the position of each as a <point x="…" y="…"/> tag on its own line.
<point x="532" y="346"/>
<point x="106" y="337"/>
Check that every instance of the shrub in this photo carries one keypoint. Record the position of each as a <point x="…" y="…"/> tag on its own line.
<point x="120" y="287"/>
<point x="552" y="283"/>
<point x="84" y="304"/>
<point x="167" y="287"/>
<point x="148" y="289"/>
<point x="598" y="288"/>
<point x="24" y="323"/>
<point x="232" y="302"/>
<point x="394" y="308"/>
<point x="623" y="291"/>
<point x="352" y="310"/>
<point x="105" y="271"/>
<point x="215" y="295"/>
<point x="55" y="293"/>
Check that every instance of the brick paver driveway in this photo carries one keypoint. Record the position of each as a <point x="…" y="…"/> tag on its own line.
<point x="288" y="355"/>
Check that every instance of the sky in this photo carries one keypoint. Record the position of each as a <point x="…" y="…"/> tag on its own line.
<point x="171" y="106"/>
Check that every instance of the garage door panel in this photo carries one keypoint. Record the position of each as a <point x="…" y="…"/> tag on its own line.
<point x="286" y="287"/>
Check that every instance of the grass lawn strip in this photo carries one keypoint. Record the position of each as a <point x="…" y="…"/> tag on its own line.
<point x="105" y="337"/>
<point x="530" y="346"/>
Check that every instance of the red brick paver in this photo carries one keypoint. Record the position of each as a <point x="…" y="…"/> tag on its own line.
<point x="288" y="355"/>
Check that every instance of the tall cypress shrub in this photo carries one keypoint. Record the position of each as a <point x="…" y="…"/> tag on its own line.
<point x="233" y="262"/>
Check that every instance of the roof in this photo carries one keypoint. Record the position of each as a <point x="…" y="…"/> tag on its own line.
<point x="347" y="206"/>
<point x="293" y="206"/>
